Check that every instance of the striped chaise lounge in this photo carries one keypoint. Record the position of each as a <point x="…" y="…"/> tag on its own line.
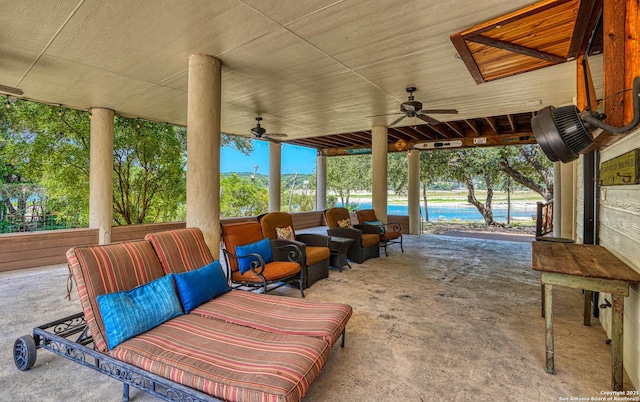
<point x="184" y="250"/>
<point x="237" y="347"/>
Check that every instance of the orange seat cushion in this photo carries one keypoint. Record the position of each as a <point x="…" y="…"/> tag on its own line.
<point x="315" y="254"/>
<point x="272" y="271"/>
<point x="369" y="239"/>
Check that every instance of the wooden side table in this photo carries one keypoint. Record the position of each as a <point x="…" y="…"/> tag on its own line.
<point x="338" y="247"/>
<point x="588" y="267"/>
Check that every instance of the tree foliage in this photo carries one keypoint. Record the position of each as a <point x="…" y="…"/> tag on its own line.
<point x="242" y="197"/>
<point x="346" y="174"/>
<point x="44" y="152"/>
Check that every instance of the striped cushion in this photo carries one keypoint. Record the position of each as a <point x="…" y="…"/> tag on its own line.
<point x="229" y="362"/>
<point x="284" y="315"/>
<point x="107" y="269"/>
<point x="180" y="250"/>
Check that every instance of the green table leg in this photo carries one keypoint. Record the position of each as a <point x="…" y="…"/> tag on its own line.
<point x="548" y="316"/>
<point x="587" y="307"/>
<point x="616" y="342"/>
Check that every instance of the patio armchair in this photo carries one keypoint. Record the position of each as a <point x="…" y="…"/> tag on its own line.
<point x="314" y="247"/>
<point x="390" y="233"/>
<point x="366" y="238"/>
<point x="257" y="262"/>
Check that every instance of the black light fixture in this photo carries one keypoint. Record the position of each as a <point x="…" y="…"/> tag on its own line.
<point x="564" y="132"/>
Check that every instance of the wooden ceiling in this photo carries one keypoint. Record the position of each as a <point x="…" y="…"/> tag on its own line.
<point x="541" y="35"/>
<point x="509" y="129"/>
<point x="547" y="33"/>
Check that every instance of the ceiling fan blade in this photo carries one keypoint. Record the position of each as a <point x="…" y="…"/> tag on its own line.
<point x="386" y="114"/>
<point x="428" y="119"/>
<point x="268" y="138"/>
<point x="397" y="121"/>
<point x="439" y="111"/>
<point x="11" y="90"/>
<point x="276" y="135"/>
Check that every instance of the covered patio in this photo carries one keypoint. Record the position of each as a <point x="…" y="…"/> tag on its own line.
<point x="451" y="319"/>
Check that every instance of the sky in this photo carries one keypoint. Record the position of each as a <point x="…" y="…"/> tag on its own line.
<point x="294" y="159"/>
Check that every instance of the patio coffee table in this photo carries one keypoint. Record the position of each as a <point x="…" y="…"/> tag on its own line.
<point x="338" y="247"/>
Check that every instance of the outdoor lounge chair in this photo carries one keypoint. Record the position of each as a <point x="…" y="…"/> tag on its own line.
<point x="315" y="247"/>
<point x="254" y="261"/>
<point x="366" y="238"/>
<point x="390" y="233"/>
<point x="236" y="347"/>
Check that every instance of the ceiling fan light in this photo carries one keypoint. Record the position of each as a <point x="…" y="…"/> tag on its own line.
<point x="560" y="133"/>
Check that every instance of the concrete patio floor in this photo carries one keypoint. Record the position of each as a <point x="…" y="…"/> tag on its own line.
<point x="451" y="319"/>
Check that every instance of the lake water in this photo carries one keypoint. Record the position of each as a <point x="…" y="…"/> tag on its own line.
<point x="463" y="212"/>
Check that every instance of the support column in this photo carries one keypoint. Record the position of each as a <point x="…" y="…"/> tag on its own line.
<point x="203" y="148"/>
<point x="379" y="148"/>
<point x="101" y="174"/>
<point x="275" y="173"/>
<point x="414" y="191"/>
<point x="321" y="182"/>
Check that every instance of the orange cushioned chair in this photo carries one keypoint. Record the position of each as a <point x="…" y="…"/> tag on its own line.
<point x="315" y="247"/>
<point x="389" y="232"/>
<point x="283" y="267"/>
<point x="366" y="238"/>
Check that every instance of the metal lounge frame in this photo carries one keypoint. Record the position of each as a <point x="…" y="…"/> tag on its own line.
<point x="69" y="337"/>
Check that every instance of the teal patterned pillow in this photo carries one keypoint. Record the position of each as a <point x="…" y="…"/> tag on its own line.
<point x="133" y="312"/>
<point x="379" y="224"/>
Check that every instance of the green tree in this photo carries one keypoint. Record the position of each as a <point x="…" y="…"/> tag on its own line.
<point x="346" y="174"/>
<point x="242" y="197"/>
<point x="47" y="148"/>
<point x="149" y="175"/>
<point x="528" y="166"/>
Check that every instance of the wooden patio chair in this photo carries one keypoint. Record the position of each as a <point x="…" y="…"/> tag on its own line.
<point x="365" y="237"/>
<point x="390" y="233"/>
<point x="314" y="247"/>
<point x="254" y="261"/>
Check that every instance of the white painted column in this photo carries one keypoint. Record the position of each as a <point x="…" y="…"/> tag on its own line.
<point x="101" y="173"/>
<point x="203" y="148"/>
<point x="414" y="191"/>
<point x="275" y="173"/>
<point x="379" y="149"/>
<point x="321" y="182"/>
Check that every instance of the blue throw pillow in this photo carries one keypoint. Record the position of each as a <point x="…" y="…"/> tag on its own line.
<point x="133" y="312"/>
<point x="378" y="224"/>
<point x="201" y="285"/>
<point x="262" y="248"/>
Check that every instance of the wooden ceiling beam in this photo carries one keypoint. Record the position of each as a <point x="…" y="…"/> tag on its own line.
<point x="424" y="130"/>
<point x="438" y="129"/>
<point x="473" y="125"/>
<point x="492" y="123"/>
<point x="585" y="23"/>
<point x="621" y="19"/>
<point x="457" y="128"/>
<point x="410" y="132"/>
<point x="512" y="47"/>
<point x="512" y="122"/>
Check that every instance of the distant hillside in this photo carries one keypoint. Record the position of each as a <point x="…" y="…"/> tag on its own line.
<point x="286" y="178"/>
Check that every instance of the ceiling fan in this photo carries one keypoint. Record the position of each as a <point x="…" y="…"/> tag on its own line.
<point x="260" y="133"/>
<point x="413" y="108"/>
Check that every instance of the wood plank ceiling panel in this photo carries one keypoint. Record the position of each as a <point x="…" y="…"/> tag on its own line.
<point x="531" y="38"/>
